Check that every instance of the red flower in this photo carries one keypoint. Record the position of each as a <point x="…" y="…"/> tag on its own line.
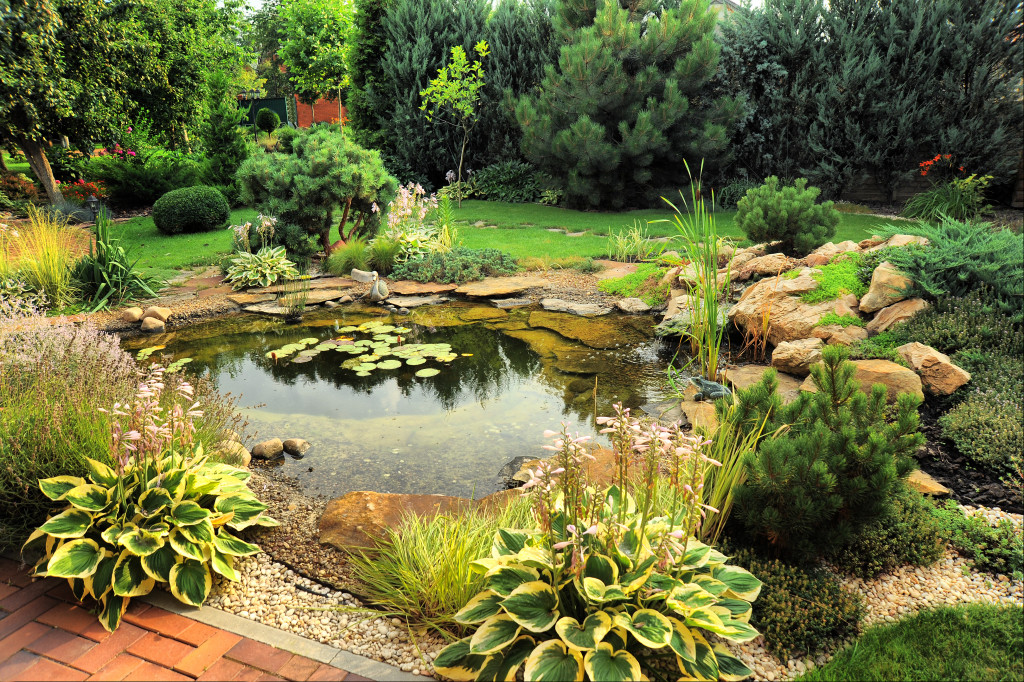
<point x="961" y="169"/>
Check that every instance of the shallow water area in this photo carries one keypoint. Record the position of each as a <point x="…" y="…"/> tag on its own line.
<point x="381" y="422"/>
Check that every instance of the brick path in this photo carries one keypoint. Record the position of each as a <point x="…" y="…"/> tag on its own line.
<point x="46" y="635"/>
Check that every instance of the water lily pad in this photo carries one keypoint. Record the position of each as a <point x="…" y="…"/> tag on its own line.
<point x="428" y="372"/>
<point x="326" y="345"/>
<point x="311" y="353"/>
<point x="389" y="364"/>
<point x="365" y="367"/>
<point x="372" y="357"/>
<point x="301" y="359"/>
<point x="362" y="374"/>
<point x="347" y="329"/>
<point x="402" y="330"/>
<point x="351" y="363"/>
<point x="308" y="341"/>
<point x="364" y="342"/>
<point x="415" y="361"/>
<point x="384" y="328"/>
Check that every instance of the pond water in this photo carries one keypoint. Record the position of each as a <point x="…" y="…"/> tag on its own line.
<point x="503" y="378"/>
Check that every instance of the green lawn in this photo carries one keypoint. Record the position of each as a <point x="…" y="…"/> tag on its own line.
<point x="22" y="167"/>
<point x="165" y="255"/>
<point x="974" y="642"/>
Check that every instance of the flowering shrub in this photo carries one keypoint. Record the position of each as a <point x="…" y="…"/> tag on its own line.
<point x="18" y="186"/>
<point x="160" y="514"/>
<point x="242" y="235"/>
<point x="262" y="268"/>
<point x="604" y="577"/>
<point x="954" y="195"/>
<point x="80" y="190"/>
<point x="406" y="222"/>
<point x="118" y="151"/>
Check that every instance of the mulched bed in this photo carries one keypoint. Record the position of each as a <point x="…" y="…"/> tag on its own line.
<point x="971" y="486"/>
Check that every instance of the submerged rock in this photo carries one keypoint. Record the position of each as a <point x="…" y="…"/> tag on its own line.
<point x="296" y="447"/>
<point x="559" y="305"/>
<point x="268" y="449"/>
<point x="602" y="333"/>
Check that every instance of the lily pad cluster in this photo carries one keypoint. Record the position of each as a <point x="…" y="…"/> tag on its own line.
<point x="384" y="349"/>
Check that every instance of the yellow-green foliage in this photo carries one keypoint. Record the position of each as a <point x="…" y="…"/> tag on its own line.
<point x="644" y="284"/>
<point x="838" y="278"/>
<point x="46" y="256"/>
<point x="841" y="320"/>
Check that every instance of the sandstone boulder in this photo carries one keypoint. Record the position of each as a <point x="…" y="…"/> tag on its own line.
<point x="268" y="449"/>
<point x="632" y="306"/>
<point x="559" y="305"/>
<point x="896" y="378"/>
<point x="923" y="483"/>
<point x="359" y="518"/>
<point x="796" y="357"/>
<point x="906" y="239"/>
<point x="746" y="376"/>
<point x="404" y="287"/>
<point x="888" y="286"/>
<point x="765" y="266"/>
<point x="296" y="447"/>
<point x="500" y="286"/>
<point x="871" y="242"/>
<point x="131" y="315"/>
<point x="938" y="374"/>
<point x="790" y="318"/>
<point x="152" y="325"/>
<point x="838" y="335"/>
<point x="233" y="452"/>
<point x="892" y="315"/>
<point x="157" y="312"/>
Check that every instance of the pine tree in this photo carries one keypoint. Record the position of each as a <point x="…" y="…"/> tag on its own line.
<point x="225" y="145"/>
<point x="368" y="45"/>
<point x="615" y="118"/>
<point x="833" y="465"/>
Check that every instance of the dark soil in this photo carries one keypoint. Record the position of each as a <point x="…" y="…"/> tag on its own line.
<point x="970" y="485"/>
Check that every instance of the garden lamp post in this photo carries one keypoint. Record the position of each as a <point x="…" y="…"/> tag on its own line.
<point x="93" y="203"/>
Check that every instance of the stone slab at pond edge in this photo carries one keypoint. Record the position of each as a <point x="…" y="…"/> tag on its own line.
<point x="500" y="286"/>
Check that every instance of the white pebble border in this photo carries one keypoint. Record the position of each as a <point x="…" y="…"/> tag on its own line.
<point x="270" y="593"/>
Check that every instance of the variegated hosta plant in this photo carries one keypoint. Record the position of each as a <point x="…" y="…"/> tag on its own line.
<point x="605" y="579"/>
<point x="162" y="514"/>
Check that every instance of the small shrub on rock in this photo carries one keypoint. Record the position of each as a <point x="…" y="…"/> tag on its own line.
<point x="908" y="533"/>
<point x="800" y="610"/>
<point x="457" y="266"/>
<point x="998" y="549"/>
<point x="191" y="209"/>
<point x="834" y="464"/>
<point x="787" y="214"/>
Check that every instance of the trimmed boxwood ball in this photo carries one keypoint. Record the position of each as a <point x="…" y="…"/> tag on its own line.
<point x="267" y="120"/>
<point x="191" y="209"/>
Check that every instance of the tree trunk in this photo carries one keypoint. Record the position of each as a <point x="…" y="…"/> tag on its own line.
<point x="41" y="167"/>
<point x="312" y="114"/>
<point x="325" y="237"/>
<point x="462" y="155"/>
<point x="3" y="164"/>
<point x="344" y="219"/>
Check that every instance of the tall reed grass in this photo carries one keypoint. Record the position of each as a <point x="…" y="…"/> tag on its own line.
<point x="44" y="255"/>
<point x="421" y="569"/>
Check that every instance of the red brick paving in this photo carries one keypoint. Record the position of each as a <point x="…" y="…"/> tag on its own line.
<point x="46" y="635"/>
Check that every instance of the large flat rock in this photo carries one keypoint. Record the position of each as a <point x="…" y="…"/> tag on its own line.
<point x="601" y="333"/>
<point x="251" y="299"/>
<point x="500" y="286"/>
<point x="318" y="283"/>
<point x="558" y="305"/>
<point x="405" y="287"/>
<point x="416" y="301"/>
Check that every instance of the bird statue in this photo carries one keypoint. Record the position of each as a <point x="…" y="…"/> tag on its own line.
<point x="378" y="290"/>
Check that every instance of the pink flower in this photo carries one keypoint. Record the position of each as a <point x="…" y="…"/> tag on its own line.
<point x="561" y="545"/>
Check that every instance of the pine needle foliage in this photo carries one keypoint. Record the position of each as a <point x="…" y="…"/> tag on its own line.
<point x="832" y="465"/>
<point x="626" y="102"/>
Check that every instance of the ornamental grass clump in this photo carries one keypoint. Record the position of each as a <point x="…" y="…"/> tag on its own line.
<point x="161" y="512"/>
<point x="603" y="581"/>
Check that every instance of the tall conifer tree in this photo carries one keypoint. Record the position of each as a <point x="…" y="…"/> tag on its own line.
<point x="624" y="106"/>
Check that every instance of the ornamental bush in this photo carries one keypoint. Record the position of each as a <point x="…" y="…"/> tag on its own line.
<point x="788" y="214"/>
<point x="456" y="266"/>
<point x="191" y="209"/>
<point x="267" y="120"/>
<point x="834" y="463"/>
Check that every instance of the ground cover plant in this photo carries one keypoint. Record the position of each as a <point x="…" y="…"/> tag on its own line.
<point x="970" y="642"/>
<point x="998" y="549"/>
<point x="456" y="266"/>
<point x="160" y="512"/>
<point x="644" y="284"/>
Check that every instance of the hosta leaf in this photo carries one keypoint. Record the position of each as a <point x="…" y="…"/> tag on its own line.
<point x="705" y="664"/>
<point x="130" y="579"/>
<point x="154" y="501"/>
<point x="113" y="608"/>
<point x="224" y="564"/>
<point x="696" y="555"/>
<point x="200" y="533"/>
<point x="481" y="607"/>
<point x="601" y="567"/>
<point x="533" y="605"/>
<point x="187" y="548"/>
<point x="507" y="542"/>
<point x="730" y="668"/>
<point x="245" y="506"/>
<point x="89" y="497"/>
<point x="173" y="481"/>
<point x="504" y="668"/>
<point x="608" y="665"/>
<point x="111" y="534"/>
<point x="681" y="641"/>
<point x="36" y="542"/>
<point x="553" y="661"/>
<point x="75" y="559"/>
<point x="585" y="636"/>
<point x="72" y="523"/>
<point x="709" y="584"/>
<point x="55" y="488"/>
<point x="704" y="618"/>
<point x="738" y="608"/>
<point x="141" y="542"/>
<point x="158" y="564"/>
<point x="535" y="557"/>
<point x="634" y="580"/>
<point x="741" y="583"/>
<point x="229" y="544"/>
<point x="197" y="486"/>
<point x="617" y="499"/>
<point x="190" y="582"/>
<point x="79" y="588"/>
<point x="102" y="579"/>
<point x="733" y="630"/>
<point x="688" y="596"/>
<point x="457" y="663"/>
<point x="100" y="473"/>
<point x="598" y="592"/>
<point x="494" y="634"/>
<point x="652" y="629"/>
<point x="188" y="513"/>
<point x="504" y="579"/>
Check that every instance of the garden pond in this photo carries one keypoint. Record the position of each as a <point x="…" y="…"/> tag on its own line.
<point x="437" y="401"/>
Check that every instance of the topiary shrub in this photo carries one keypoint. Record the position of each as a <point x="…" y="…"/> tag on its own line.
<point x="787" y="214"/>
<point x="267" y="120"/>
<point x="834" y="466"/>
<point x="191" y="209"/>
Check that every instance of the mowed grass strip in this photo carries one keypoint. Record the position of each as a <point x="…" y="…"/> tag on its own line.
<point x="973" y="642"/>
